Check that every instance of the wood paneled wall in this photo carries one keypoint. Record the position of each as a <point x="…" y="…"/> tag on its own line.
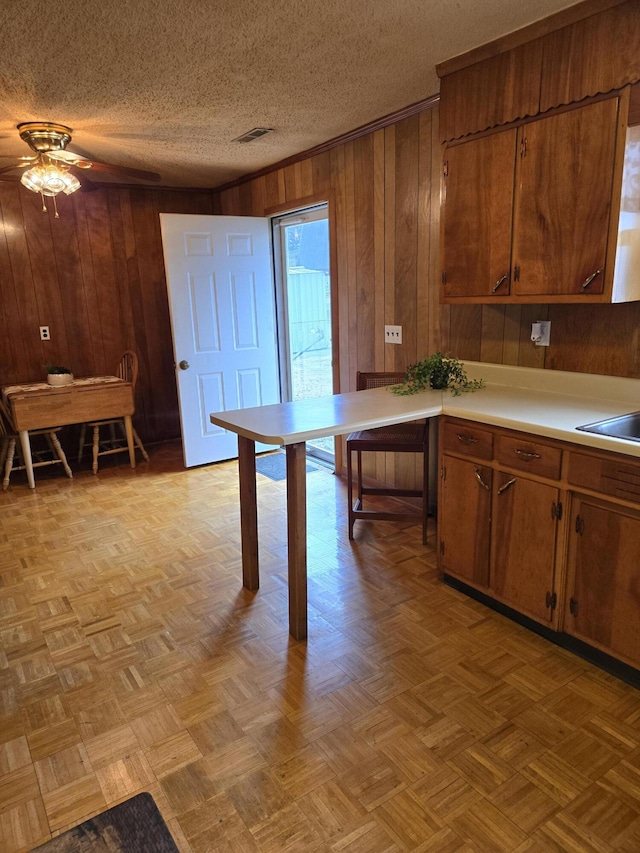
<point x="384" y="223"/>
<point x="383" y="190"/>
<point x="95" y="276"/>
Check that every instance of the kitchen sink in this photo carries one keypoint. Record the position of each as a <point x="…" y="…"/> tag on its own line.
<point x="622" y="426"/>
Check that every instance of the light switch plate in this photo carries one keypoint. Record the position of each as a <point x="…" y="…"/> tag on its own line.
<point x="393" y="334"/>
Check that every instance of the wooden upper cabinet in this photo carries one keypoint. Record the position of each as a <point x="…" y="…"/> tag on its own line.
<point x="530" y="214"/>
<point x="497" y="90"/>
<point x="478" y="205"/>
<point x="592" y="56"/>
<point x="564" y="190"/>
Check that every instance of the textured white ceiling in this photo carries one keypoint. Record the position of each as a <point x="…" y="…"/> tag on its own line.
<point x="168" y="85"/>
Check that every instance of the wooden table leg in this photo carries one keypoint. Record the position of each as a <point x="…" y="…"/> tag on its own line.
<point x="25" y="444"/>
<point x="128" y="426"/>
<point x="297" y="538"/>
<point x="248" y="512"/>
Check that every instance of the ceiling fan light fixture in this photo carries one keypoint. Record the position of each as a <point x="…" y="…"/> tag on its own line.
<point x="49" y="179"/>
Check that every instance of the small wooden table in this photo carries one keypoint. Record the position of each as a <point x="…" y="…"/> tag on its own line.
<point x="37" y="405"/>
<point x="291" y="425"/>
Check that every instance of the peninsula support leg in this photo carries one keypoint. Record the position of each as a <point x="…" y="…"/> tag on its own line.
<point x="248" y="512"/>
<point x="297" y="538"/>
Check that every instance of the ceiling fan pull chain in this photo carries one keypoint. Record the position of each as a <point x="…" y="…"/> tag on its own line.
<point x="44" y="206"/>
<point x="55" y="207"/>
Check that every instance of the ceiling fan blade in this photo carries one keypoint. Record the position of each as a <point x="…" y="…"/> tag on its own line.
<point x="84" y="163"/>
<point x="15" y="166"/>
<point x="141" y="174"/>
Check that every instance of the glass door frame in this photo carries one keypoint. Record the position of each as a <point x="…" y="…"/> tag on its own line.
<point x="279" y="222"/>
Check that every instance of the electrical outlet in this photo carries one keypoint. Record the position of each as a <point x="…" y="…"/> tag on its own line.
<point x="541" y="332"/>
<point x="393" y="334"/>
<point x="44" y="333"/>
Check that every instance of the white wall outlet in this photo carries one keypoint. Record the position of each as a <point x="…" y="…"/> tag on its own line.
<point x="393" y="334"/>
<point x="541" y="332"/>
<point x="44" y="333"/>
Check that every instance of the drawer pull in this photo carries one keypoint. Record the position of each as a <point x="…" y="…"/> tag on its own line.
<point x="526" y="454"/>
<point x="588" y="281"/>
<point x="499" y="282"/>
<point x="466" y="439"/>
<point x="484" y="485"/>
<point x="507" y="485"/>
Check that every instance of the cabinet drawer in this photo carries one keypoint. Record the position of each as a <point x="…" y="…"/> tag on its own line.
<point x="529" y="456"/>
<point x="469" y="440"/>
<point x="614" y="477"/>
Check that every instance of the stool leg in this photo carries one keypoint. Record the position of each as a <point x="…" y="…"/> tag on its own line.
<point x="11" y="449"/>
<point x="350" y="492"/>
<point x="96" y="447"/>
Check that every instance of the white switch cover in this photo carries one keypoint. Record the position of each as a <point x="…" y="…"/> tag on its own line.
<point x="393" y="334"/>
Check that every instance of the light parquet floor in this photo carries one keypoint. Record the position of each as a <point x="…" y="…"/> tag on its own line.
<point x="414" y="718"/>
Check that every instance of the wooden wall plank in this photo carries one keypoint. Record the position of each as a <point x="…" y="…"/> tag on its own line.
<point x="72" y="294"/>
<point x="26" y="320"/>
<point x="364" y="306"/>
<point x="424" y="301"/>
<point x="13" y="350"/>
<point x="351" y="266"/>
<point x="378" y="247"/>
<point x="389" y="240"/>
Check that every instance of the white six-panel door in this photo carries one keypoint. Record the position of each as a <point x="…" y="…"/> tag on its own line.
<point x="221" y="298"/>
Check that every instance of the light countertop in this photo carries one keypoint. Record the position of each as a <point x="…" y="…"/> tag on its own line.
<point x="549" y="403"/>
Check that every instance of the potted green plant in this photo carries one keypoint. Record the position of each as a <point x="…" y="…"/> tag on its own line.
<point x="438" y="371"/>
<point x="58" y="376"/>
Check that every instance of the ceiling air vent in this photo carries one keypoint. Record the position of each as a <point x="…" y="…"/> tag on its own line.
<point x="256" y="133"/>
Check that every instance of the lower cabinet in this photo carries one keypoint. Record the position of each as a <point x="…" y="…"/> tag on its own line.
<point x="523" y="537"/>
<point x="603" y="581"/>
<point x="549" y="529"/>
<point x="464" y="512"/>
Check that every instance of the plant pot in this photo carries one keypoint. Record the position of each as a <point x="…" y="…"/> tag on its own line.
<point x="58" y="380"/>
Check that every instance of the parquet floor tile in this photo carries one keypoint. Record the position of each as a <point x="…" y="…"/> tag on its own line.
<point x="413" y="718"/>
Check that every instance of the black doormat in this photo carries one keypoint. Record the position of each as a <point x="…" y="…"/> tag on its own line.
<point x="135" y="826"/>
<point x="274" y="466"/>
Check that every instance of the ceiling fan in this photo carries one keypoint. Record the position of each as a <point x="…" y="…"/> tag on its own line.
<point x="49" y="173"/>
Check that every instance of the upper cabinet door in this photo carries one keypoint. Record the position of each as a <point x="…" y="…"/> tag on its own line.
<point x="563" y="202"/>
<point x="478" y="208"/>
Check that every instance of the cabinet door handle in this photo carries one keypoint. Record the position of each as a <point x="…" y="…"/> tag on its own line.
<point x="507" y="485"/>
<point x="588" y="281"/>
<point x="525" y="454"/>
<point x="499" y="282"/>
<point x="484" y="485"/>
<point x="466" y="439"/>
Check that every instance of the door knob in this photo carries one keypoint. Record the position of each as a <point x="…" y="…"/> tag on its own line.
<point x="183" y="365"/>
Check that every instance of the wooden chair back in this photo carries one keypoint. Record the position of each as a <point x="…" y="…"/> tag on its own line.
<point x="128" y="367"/>
<point x="6" y="427"/>
<point x="365" y="380"/>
